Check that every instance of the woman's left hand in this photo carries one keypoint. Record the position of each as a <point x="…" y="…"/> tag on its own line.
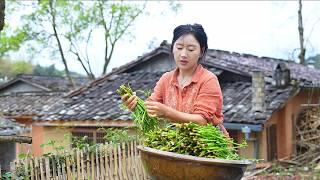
<point x="155" y="109"/>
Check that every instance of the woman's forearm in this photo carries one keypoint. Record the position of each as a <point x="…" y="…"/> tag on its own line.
<point x="181" y="117"/>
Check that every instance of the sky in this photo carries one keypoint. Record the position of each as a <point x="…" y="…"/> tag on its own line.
<point x="261" y="28"/>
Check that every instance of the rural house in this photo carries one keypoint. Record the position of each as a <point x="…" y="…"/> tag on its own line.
<point x="262" y="99"/>
<point x="24" y="96"/>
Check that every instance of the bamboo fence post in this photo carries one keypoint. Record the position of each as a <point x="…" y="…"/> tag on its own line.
<point x="54" y="169"/>
<point x="119" y="161"/>
<point x="82" y="165"/>
<point x="123" y="159"/>
<point x="128" y="161"/>
<point x="73" y="164"/>
<point x="130" y="155"/>
<point x="47" y="164"/>
<point x="68" y="168"/>
<point x="37" y="168"/>
<point x="97" y="163"/>
<point x="59" y="167"/>
<point x="134" y="162"/>
<point x="137" y="162"/>
<point x="106" y="162"/>
<point x="111" y="161"/>
<point x="64" y="173"/>
<point x="102" y="171"/>
<point x="116" y="170"/>
<point x="88" y="163"/>
<point x="92" y="165"/>
<point x="31" y="169"/>
<point x="26" y="170"/>
<point x="42" y="177"/>
<point x="78" y="165"/>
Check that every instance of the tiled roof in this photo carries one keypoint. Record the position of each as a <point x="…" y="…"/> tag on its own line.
<point x="100" y="102"/>
<point x="239" y="63"/>
<point x="47" y="83"/>
<point x="10" y="127"/>
<point x="237" y="99"/>
<point x="27" y="104"/>
<point x="248" y="63"/>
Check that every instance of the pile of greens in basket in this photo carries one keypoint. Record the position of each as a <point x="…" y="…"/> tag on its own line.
<point x="187" y="138"/>
<point x="193" y="139"/>
<point x="141" y="118"/>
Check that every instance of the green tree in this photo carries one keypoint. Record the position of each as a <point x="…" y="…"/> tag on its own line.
<point x="65" y="28"/>
<point x="46" y="28"/>
<point x="11" y="68"/>
<point x="115" y="19"/>
<point x="47" y="71"/>
<point x="19" y="67"/>
<point x="5" y="67"/>
<point x="12" y="41"/>
<point x="314" y="60"/>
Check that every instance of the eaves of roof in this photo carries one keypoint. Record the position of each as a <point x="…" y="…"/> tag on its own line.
<point x="9" y="83"/>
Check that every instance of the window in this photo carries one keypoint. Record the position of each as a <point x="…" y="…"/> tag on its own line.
<point x="94" y="136"/>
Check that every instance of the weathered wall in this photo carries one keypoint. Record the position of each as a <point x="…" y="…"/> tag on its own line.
<point x="285" y="119"/>
<point x="7" y="154"/>
<point x="42" y="135"/>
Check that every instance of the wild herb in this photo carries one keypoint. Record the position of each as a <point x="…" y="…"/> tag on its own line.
<point x="144" y="122"/>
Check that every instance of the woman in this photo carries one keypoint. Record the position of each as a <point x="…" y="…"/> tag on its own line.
<point x="189" y="93"/>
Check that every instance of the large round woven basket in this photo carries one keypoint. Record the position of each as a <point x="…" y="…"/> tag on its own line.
<point x="163" y="165"/>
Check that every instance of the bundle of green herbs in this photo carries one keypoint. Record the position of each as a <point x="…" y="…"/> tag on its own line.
<point x="193" y="139"/>
<point x="142" y="120"/>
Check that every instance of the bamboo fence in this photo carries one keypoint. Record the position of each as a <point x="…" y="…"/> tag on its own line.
<point x="119" y="161"/>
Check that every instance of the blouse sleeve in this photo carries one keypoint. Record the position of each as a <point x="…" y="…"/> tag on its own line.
<point x="158" y="91"/>
<point x="209" y="102"/>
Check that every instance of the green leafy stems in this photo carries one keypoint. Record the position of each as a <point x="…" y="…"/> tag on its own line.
<point x="144" y="122"/>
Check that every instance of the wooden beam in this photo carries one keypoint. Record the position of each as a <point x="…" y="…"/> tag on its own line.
<point x="310" y="105"/>
<point x="20" y="139"/>
<point x="86" y="123"/>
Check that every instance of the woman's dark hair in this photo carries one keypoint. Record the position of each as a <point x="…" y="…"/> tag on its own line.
<point x="196" y="30"/>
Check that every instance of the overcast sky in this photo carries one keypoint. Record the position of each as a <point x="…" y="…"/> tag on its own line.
<point x="262" y="28"/>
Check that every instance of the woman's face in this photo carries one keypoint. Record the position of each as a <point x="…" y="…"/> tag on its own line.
<point x="186" y="52"/>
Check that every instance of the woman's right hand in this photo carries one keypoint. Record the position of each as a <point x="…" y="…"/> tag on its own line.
<point x="130" y="102"/>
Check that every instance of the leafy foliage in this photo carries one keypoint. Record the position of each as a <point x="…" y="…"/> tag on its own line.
<point x="314" y="60"/>
<point x="116" y="135"/>
<point x="49" y="70"/>
<point x="64" y="29"/>
<point x="11" y="68"/>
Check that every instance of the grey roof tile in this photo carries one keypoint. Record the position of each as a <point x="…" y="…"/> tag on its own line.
<point x="28" y="104"/>
<point x="237" y="106"/>
<point x="10" y="127"/>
